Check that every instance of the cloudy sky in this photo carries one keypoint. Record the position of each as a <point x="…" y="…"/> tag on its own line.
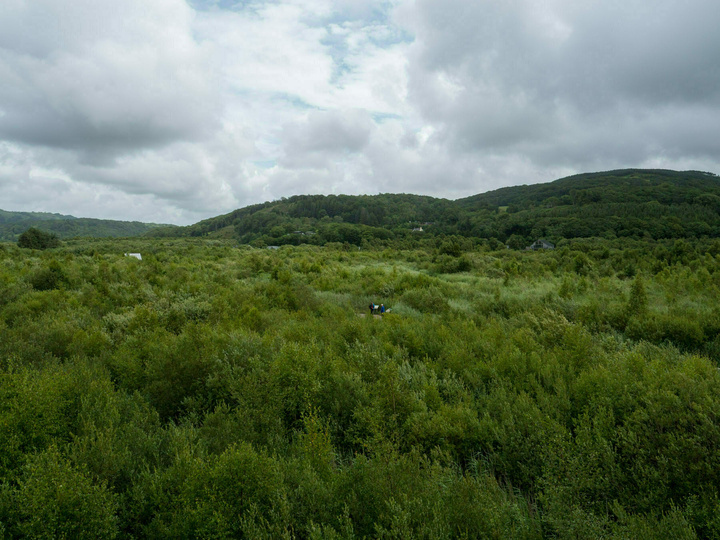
<point x="176" y="110"/>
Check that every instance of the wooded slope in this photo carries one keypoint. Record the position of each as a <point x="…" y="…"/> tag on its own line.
<point x="13" y="224"/>
<point x="635" y="203"/>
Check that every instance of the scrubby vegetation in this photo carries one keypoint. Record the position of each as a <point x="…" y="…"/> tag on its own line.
<point x="219" y="391"/>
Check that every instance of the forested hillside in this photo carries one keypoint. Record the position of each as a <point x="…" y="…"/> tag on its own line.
<point x="622" y="186"/>
<point x="211" y="391"/>
<point x="13" y="224"/>
<point x="653" y="204"/>
<point x="628" y="203"/>
<point x="328" y="218"/>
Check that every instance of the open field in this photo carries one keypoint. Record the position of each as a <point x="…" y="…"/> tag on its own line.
<point x="211" y="390"/>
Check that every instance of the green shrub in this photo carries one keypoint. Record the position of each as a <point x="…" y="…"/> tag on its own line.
<point x="678" y="330"/>
<point x="46" y="279"/>
<point x="452" y="265"/>
<point x="55" y="499"/>
<point x="430" y="300"/>
<point x="36" y="239"/>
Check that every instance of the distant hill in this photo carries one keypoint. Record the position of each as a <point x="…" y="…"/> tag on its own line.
<point x="625" y="203"/>
<point x="636" y="203"/>
<point x="327" y="218"/>
<point x="12" y="224"/>
<point x="622" y="186"/>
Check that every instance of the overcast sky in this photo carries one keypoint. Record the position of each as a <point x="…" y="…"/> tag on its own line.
<point x="172" y="111"/>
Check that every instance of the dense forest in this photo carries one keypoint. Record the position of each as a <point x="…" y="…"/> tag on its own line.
<point x="655" y="204"/>
<point x="212" y="390"/>
<point x="13" y="224"/>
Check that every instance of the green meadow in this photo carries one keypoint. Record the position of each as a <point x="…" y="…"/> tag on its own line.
<point x="212" y="390"/>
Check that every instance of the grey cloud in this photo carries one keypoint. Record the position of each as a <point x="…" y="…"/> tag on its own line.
<point x="324" y="134"/>
<point x="573" y="80"/>
<point x="651" y="53"/>
<point x="626" y="49"/>
<point x="102" y="78"/>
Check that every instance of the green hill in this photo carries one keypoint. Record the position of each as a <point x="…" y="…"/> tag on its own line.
<point x="635" y="203"/>
<point x="327" y="218"/>
<point x="13" y="224"/>
<point x="622" y="186"/>
<point x="624" y="203"/>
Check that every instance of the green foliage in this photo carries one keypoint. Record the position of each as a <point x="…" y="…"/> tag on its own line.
<point x="430" y="300"/>
<point x="36" y="239"/>
<point x="638" y="301"/>
<point x="450" y="248"/>
<point x="55" y="499"/>
<point x="48" y="278"/>
<point x="453" y="265"/>
<point x="211" y="391"/>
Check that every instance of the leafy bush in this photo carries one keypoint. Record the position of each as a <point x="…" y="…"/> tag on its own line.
<point x="56" y="499"/>
<point x="46" y="279"/>
<point x="36" y="239"/>
<point x="452" y="265"/>
<point x="680" y="330"/>
<point x="430" y="300"/>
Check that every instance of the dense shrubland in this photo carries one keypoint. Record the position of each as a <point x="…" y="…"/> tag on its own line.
<point x="216" y="391"/>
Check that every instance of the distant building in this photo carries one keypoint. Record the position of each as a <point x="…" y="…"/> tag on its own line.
<point x="540" y="244"/>
<point x="136" y="255"/>
<point x="418" y="229"/>
<point x="273" y="247"/>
